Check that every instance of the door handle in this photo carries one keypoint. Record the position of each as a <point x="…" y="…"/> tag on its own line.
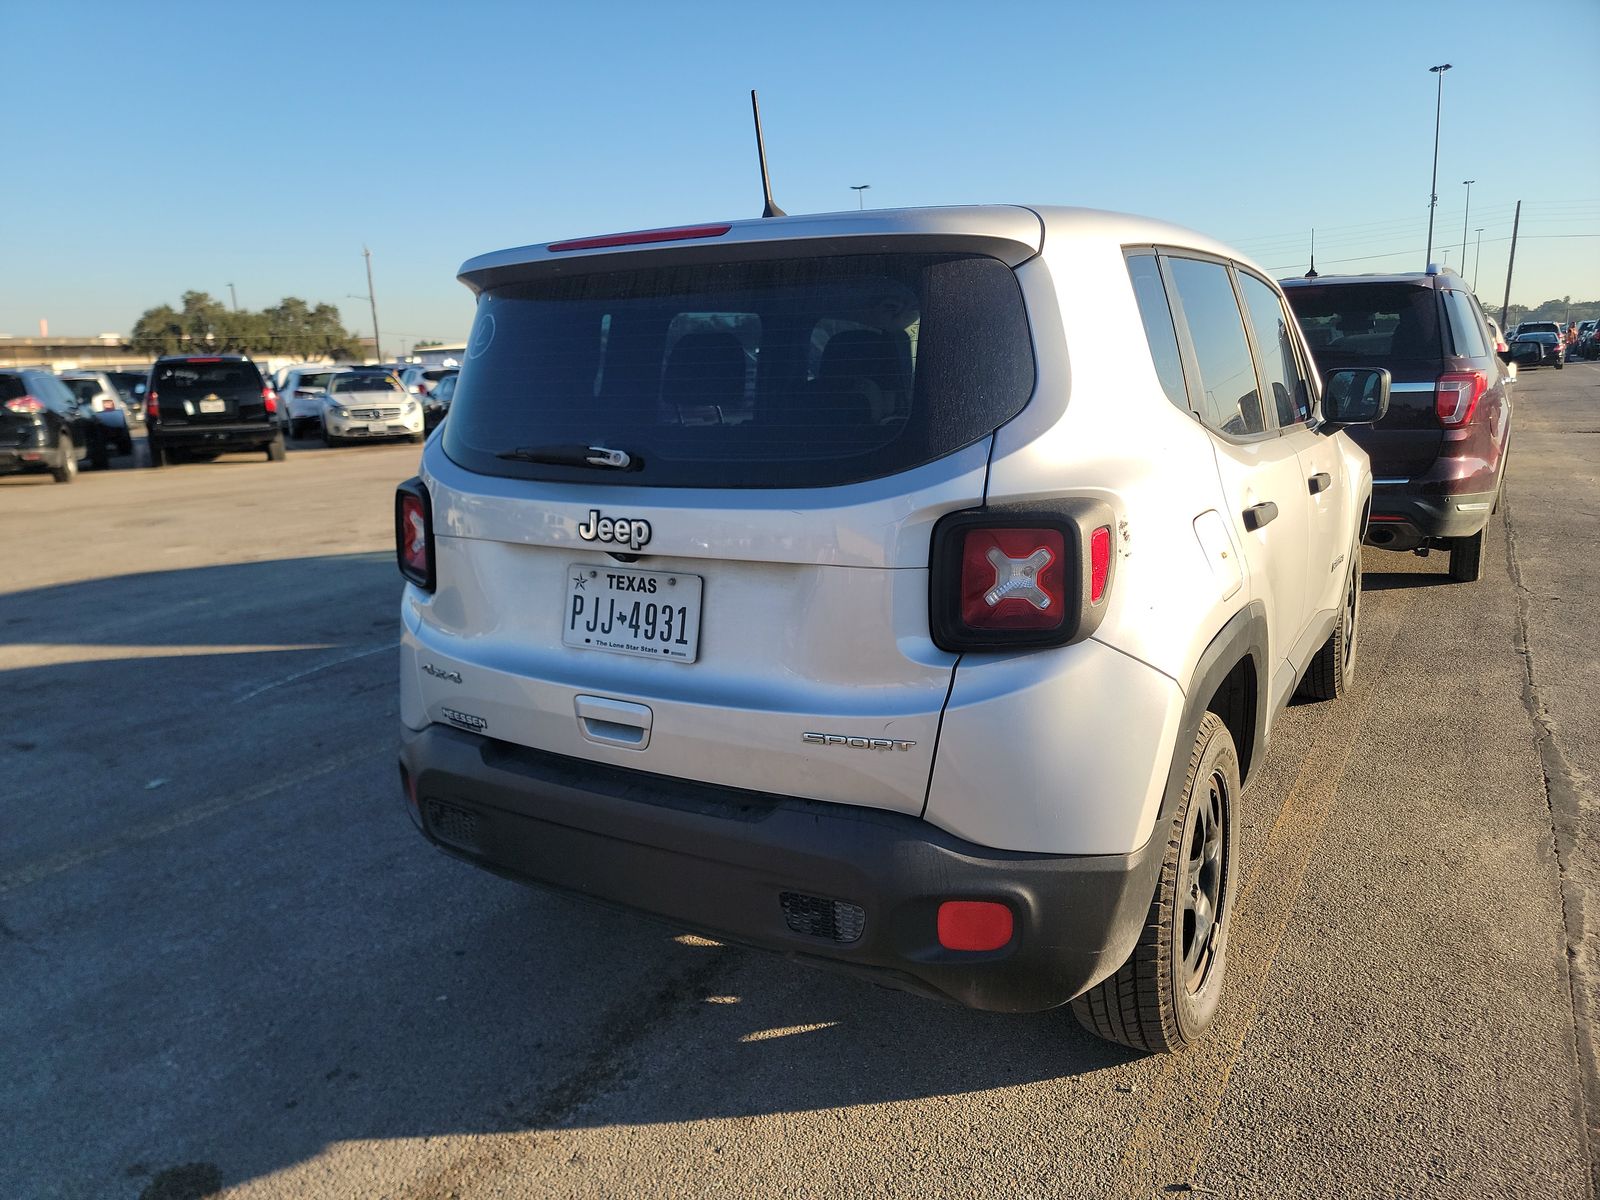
<point x="1320" y="482"/>
<point x="1261" y="514"/>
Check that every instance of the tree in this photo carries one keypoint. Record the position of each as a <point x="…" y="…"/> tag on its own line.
<point x="291" y="329"/>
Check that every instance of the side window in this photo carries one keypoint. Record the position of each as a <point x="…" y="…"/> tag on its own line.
<point x="1151" y="296"/>
<point x="1464" y="330"/>
<point x="1230" y="403"/>
<point x="1280" y="367"/>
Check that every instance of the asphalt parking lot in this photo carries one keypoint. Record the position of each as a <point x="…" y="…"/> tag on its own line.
<point x="231" y="966"/>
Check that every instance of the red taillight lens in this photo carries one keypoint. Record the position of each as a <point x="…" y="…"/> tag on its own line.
<point x="270" y="399"/>
<point x="152" y="405"/>
<point x="413" y="532"/>
<point x="1456" y="396"/>
<point x="25" y="404"/>
<point x="974" y="925"/>
<point x="1099" y="563"/>
<point x="1013" y="579"/>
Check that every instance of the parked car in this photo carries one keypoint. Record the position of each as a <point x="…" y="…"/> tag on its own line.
<point x="301" y="389"/>
<point x="130" y="386"/>
<point x="1538" y="349"/>
<point x="419" y="381"/>
<point x="1588" y="344"/>
<point x="737" y="522"/>
<point x="1502" y="349"/>
<point x="96" y="392"/>
<point x="199" y="406"/>
<point x="43" y="427"/>
<point x="436" y="404"/>
<point x="364" y="405"/>
<point x="1438" y="456"/>
<point x="1551" y="327"/>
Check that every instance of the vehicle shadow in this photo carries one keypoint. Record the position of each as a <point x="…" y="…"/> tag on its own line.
<point x="268" y="959"/>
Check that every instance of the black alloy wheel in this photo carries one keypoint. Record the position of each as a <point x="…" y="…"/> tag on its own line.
<point x="1203" y="885"/>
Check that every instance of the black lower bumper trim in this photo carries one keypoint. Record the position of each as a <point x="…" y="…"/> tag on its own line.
<point x="1425" y="517"/>
<point x="719" y="861"/>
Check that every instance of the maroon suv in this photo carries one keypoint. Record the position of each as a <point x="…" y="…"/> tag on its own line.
<point x="1439" y="455"/>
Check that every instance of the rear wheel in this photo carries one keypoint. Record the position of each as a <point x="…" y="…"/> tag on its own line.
<point x="68" y="470"/>
<point x="1466" y="558"/>
<point x="275" y="449"/>
<point x="1166" y="995"/>
<point x="1333" y="669"/>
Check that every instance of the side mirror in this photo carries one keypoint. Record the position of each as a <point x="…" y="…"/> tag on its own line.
<point x="1355" y="396"/>
<point x="1505" y="355"/>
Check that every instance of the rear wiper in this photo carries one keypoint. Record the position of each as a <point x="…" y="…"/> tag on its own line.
<point x="575" y="456"/>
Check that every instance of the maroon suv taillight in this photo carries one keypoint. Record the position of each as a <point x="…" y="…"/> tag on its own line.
<point x="1020" y="578"/>
<point x="1456" y="396"/>
<point x="413" y="533"/>
<point x="25" y="404"/>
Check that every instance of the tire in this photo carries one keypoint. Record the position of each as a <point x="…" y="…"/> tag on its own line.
<point x="1166" y="995"/>
<point x="157" y="457"/>
<point x="275" y="452"/>
<point x="329" y="440"/>
<point x="1466" y="558"/>
<point x="1333" y="669"/>
<point x="416" y="439"/>
<point x="100" y="455"/>
<point x="68" y="470"/>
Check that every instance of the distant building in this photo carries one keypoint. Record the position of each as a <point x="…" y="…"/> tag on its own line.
<point x="62" y="353"/>
<point x="438" y="356"/>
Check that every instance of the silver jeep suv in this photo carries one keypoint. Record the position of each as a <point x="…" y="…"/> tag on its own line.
<point x="909" y="591"/>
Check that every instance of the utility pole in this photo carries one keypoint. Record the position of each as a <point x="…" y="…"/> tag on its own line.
<point x="1433" y="188"/>
<point x="234" y="296"/>
<point x="1469" y="183"/>
<point x="377" y="345"/>
<point x="1477" y="258"/>
<point x="1505" y="306"/>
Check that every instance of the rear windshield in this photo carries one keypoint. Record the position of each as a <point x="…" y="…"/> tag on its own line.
<point x="1367" y="324"/>
<point x="792" y="373"/>
<point x="365" y="383"/>
<point x="11" y="387"/>
<point x="175" y="380"/>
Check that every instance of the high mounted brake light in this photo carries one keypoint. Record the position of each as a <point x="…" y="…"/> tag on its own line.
<point x="641" y="237"/>
<point x="1011" y="578"/>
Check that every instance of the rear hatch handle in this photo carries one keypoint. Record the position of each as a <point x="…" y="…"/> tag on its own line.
<point x="613" y="722"/>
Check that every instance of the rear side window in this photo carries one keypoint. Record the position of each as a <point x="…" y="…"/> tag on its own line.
<point x="365" y="383"/>
<point x="1464" y="330"/>
<point x="1368" y="324"/>
<point x="1230" y="403"/>
<point x="1280" y="365"/>
<point x="83" y="389"/>
<point x="1156" y="314"/>
<point x="11" y="387"/>
<point x="777" y="373"/>
<point x="178" y="380"/>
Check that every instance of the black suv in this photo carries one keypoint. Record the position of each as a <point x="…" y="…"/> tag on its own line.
<point x="1438" y="457"/>
<point x="203" y="406"/>
<point x="43" y="427"/>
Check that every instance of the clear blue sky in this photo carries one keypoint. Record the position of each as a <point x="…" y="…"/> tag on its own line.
<point x="161" y="147"/>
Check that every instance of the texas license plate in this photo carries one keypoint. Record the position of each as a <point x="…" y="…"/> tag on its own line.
<point x="213" y="406"/>
<point x="377" y="427"/>
<point x="654" y="614"/>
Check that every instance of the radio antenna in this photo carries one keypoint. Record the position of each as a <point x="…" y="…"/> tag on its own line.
<point x="770" y="209"/>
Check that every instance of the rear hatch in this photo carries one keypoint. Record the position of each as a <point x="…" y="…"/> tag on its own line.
<point x="195" y="392"/>
<point x="1381" y="324"/>
<point x="16" y="427"/>
<point x="735" y="588"/>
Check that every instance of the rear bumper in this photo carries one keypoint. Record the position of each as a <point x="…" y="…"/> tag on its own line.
<point x="1402" y="520"/>
<point x="720" y="862"/>
<point x="214" y="437"/>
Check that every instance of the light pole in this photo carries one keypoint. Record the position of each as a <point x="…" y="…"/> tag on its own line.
<point x="1469" y="183"/>
<point x="377" y="346"/>
<point x="1477" y="257"/>
<point x="1433" y="187"/>
<point x="860" y="189"/>
<point x="234" y="296"/>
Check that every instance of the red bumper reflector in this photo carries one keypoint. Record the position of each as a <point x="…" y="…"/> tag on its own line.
<point x="1099" y="562"/>
<point x="1376" y="517"/>
<point x="974" y="925"/>
<point x="642" y="237"/>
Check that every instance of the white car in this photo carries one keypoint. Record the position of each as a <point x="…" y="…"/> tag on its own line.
<point x="908" y="591"/>
<point x="300" y="390"/>
<point x="362" y="405"/>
